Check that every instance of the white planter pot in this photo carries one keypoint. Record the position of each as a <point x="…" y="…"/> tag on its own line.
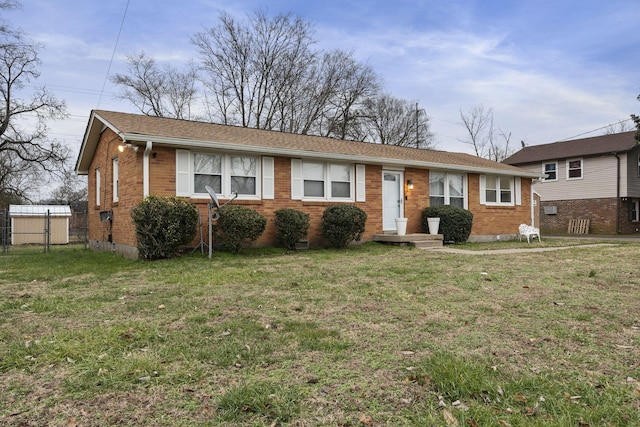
<point x="401" y="226"/>
<point x="434" y="225"/>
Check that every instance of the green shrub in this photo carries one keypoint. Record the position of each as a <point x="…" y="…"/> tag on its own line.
<point x="455" y="222"/>
<point x="238" y="227"/>
<point x="291" y="226"/>
<point x="342" y="224"/>
<point x="162" y="225"/>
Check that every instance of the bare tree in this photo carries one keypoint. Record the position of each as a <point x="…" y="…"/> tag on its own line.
<point x="619" y="127"/>
<point x="251" y="69"/>
<point x="25" y="151"/>
<point x="481" y="134"/>
<point x="395" y="121"/>
<point x="158" y="91"/>
<point x="636" y="120"/>
<point x="265" y="74"/>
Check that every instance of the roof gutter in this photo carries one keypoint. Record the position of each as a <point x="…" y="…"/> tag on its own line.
<point x="178" y="142"/>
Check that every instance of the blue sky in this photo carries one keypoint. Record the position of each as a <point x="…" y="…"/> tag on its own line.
<point x="551" y="70"/>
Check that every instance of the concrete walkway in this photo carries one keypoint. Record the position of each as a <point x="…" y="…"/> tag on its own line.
<point x="451" y="250"/>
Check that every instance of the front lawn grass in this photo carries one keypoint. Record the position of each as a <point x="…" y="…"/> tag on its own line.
<point x="367" y="336"/>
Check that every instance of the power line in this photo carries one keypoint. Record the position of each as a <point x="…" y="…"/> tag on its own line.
<point x="113" y="54"/>
<point x="595" y="130"/>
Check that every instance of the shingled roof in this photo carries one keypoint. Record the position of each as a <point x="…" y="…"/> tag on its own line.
<point x="137" y="129"/>
<point x="594" y="146"/>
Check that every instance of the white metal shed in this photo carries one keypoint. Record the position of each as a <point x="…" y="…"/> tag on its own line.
<point x="29" y="224"/>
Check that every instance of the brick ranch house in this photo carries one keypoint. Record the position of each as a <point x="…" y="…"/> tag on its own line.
<point x="129" y="156"/>
<point x="595" y="179"/>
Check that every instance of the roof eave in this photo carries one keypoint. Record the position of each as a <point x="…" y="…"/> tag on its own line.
<point x="189" y="143"/>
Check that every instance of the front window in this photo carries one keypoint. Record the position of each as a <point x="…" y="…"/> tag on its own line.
<point x="446" y="189"/>
<point x="498" y="190"/>
<point x="635" y="210"/>
<point x="243" y="175"/>
<point x="574" y="169"/>
<point x="207" y="170"/>
<point x="327" y="180"/>
<point x="550" y="171"/>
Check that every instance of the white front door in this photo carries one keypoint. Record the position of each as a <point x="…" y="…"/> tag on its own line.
<point x="392" y="206"/>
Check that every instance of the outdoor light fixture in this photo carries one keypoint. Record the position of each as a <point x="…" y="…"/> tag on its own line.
<point x="127" y="145"/>
<point x="410" y="184"/>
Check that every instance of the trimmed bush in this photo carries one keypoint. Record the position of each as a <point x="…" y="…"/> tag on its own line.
<point x="163" y="224"/>
<point x="238" y="227"/>
<point x="455" y="222"/>
<point x="342" y="224"/>
<point x="291" y="226"/>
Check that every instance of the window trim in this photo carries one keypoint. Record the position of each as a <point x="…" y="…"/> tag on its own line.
<point x="327" y="181"/>
<point x="569" y="170"/>
<point x="635" y="209"/>
<point x="544" y="171"/>
<point x="447" y="195"/>
<point x="115" y="179"/>
<point x="98" y="185"/>
<point x="188" y="174"/>
<point x="515" y="187"/>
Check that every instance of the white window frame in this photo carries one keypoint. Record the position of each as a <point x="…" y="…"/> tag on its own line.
<point x="544" y="171"/>
<point x="98" y="184"/>
<point x="116" y="181"/>
<point x="185" y="175"/>
<point x="447" y="195"/>
<point x="515" y="188"/>
<point x="569" y="178"/>
<point x="298" y="180"/>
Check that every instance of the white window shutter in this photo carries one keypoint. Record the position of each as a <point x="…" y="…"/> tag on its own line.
<point x="183" y="173"/>
<point x="268" y="178"/>
<point x="360" y="183"/>
<point x="518" y="191"/>
<point x="296" y="179"/>
<point x="483" y="189"/>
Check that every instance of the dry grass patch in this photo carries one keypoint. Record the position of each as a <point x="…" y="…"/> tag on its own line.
<point x="371" y="335"/>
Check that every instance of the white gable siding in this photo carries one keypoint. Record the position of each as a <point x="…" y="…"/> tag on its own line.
<point x="598" y="180"/>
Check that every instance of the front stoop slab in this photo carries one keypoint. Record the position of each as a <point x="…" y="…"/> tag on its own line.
<point x="419" y="240"/>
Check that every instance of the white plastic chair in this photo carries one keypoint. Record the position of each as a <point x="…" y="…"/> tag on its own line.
<point x="529" y="231"/>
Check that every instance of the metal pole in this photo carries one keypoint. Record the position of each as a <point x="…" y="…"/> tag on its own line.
<point x="209" y="208"/>
<point x="417" y="127"/>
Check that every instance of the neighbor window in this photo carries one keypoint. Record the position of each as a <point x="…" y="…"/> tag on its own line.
<point x="574" y="169"/>
<point x="638" y="165"/>
<point x="98" y="186"/>
<point x="635" y="210"/>
<point x="116" y="191"/>
<point x="497" y="190"/>
<point x="550" y="171"/>
<point x="446" y="189"/>
<point x="327" y="180"/>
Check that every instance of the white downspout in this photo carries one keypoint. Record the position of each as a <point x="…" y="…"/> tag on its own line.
<point x="145" y="169"/>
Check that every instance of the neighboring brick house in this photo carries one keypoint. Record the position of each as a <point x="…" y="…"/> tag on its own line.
<point x="595" y="178"/>
<point x="128" y="157"/>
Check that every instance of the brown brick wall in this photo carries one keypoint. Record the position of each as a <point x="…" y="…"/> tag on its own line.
<point x="496" y="220"/>
<point x="487" y="220"/>
<point x="601" y="214"/>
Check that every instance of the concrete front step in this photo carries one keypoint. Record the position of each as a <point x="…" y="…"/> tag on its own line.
<point x="428" y="244"/>
<point x="419" y="240"/>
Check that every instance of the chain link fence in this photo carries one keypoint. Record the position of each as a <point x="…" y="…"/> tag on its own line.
<point x="42" y="233"/>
